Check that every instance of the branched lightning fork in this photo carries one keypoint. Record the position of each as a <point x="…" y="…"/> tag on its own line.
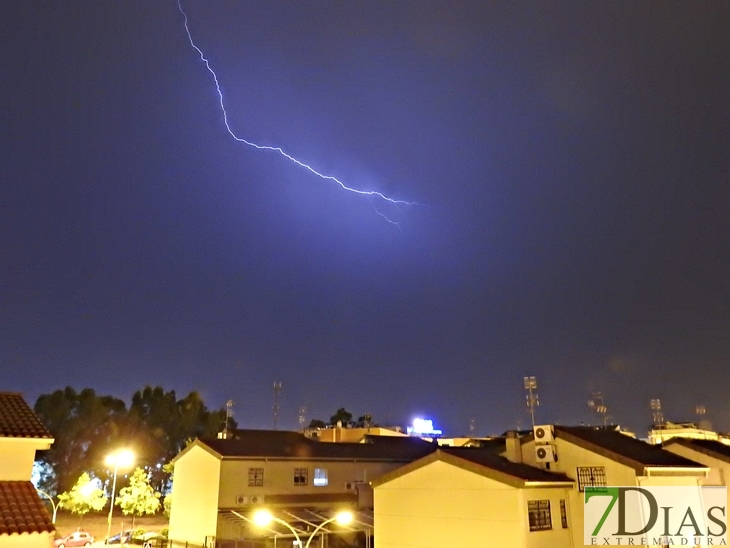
<point x="370" y="193"/>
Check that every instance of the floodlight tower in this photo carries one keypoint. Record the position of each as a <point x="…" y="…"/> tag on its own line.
<point x="598" y="406"/>
<point x="229" y="415"/>
<point x="531" y="397"/>
<point x="277" y="391"/>
<point x="302" y="416"/>
<point x="656" y="411"/>
<point x="701" y="411"/>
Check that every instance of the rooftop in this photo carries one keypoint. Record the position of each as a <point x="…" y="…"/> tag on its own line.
<point x="490" y="459"/>
<point x="617" y="446"/>
<point x="293" y="445"/>
<point x="21" y="509"/>
<point x="17" y="419"/>
<point x="712" y="448"/>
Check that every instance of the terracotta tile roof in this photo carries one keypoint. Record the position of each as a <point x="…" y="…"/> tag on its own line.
<point x="17" y="419"/>
<point x="21" y="509"/>
<point x="711" y="448"/>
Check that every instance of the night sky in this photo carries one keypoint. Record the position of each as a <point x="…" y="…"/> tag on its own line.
<point x="570" y="161"/>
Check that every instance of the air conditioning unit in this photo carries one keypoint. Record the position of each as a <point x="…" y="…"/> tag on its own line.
<point x="545" y="453"/>
<point x="241" y="499"/>
<point x="350" y="486"/>
<point x="256" y="499"/>
<point x="543" y="434"/>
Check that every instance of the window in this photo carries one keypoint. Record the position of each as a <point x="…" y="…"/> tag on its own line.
<point x="538" y="514"/>
<point x="255" y="477"/>
<point x="591" y="476"/>
<point x="301" y="476"/>
<point x="563" y="514"/>
<point x="320" y="477"/>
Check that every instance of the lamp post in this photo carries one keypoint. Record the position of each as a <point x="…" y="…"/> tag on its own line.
<point x="53" y="503"/>
<point x="263" y="517"/>
<point x="122" y="458"/>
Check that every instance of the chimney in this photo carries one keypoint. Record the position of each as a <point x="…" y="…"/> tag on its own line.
<point x="513" y="447"/>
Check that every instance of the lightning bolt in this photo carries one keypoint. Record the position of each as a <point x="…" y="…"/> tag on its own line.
<point x="368" y="193"/>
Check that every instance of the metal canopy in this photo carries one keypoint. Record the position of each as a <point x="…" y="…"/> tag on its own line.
<point x="303" y="520"/>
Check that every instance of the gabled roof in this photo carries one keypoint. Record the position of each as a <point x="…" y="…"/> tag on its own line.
<point x="624" y="449"/>
<point x="21" y="510"/>
<point x="711" y="448"/>
<point x="484" y="462"/>
<point x="17" y="419"/>
<point x="277" y="444"/>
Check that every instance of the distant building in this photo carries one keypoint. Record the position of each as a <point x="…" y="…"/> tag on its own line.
<point x="219" y="483"/>
<point x="661" y="433"/>
<point x="24" y="521"/>
<point x="351" y="435"/>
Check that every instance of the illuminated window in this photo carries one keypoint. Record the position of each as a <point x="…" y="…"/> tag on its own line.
<point x="538" y="514"/>
<point x="301" y="476"/>
<point x="563" y="514"/>
<point x="255" y="477"/>
<point x="320" y="477"/>
<point x="591" y="476"/>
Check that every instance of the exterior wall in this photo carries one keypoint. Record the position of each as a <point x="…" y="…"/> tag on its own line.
<point x="195" y="487"/>
<point x="279" y="480"/>
<point x="17" y="456"/>
<point x="34" y="540"/>
<point x="570" y="457"/>
<point x="442" y="505"/>
<point x="719" y="469"/>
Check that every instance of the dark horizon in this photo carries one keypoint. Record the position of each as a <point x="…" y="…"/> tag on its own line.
<point x="570" y="162"/>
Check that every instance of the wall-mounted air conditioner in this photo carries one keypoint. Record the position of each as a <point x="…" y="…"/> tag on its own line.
<point x="241" y="499"/>
<point x="545" y="453"/>
<point x="256" y="499"/>
<point x="543" y="434"/>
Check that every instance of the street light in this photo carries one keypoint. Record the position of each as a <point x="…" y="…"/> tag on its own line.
<point x="53" y="503"/>
<point x="123" y="458"/>
<point x="263" y="517"/>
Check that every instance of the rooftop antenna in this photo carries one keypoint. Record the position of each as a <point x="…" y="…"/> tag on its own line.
<point x="598" y="406"/>
<point x="472" y="426"/>
<point x="531" y="397"/>
<point x="656" y="411"/>
<point x="277" y="391"/>
<point x="302" y="416"/>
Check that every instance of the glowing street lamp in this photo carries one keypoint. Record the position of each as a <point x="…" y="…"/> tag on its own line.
<point x="123" y="458"/>
<point x="53" y="503"/>
<point x="262" y="518"/>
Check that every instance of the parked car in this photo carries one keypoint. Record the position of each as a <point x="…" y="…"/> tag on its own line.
<point x="122" y="538"/>
<point x="148" y="540"/>
<point x="77" y="538"/>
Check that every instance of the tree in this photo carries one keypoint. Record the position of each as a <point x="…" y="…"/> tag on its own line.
<point x="316" y="423"/>
<point x="83" y="497"/>
<point x="139" y="497"/>
<point x="87" y="427"/>
<point x="83" y="425"/>
<point x="341" y="416"/>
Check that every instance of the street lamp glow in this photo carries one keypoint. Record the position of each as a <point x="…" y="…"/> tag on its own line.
<point x="123" y="458"/>
<point x="344" y="518"/>
<point x="262" y="518"/>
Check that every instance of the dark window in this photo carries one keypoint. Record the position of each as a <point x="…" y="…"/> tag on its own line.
<point x="301" y="476"/>
<point x="255" y="477"/>
<point x="538" y="514"/>
<point x="563" y="514"/>
<point x="591" y="476"/>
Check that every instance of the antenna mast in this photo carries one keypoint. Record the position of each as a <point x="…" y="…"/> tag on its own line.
<point x="277" y="391"/>
<point x="598" y="406"/>
<point x="656" y="411"/>
<point x="531" y="397"/>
